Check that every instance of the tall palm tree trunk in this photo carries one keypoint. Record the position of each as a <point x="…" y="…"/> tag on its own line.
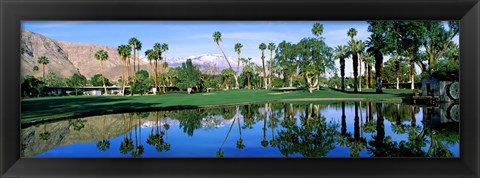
<point x="159" y="71"/>
<point x="161" y="81"/>
<point x="228" y="62"/>
<point x="344" y="120"/>
<point x="239" y="128"/>
<point x="43" y="69"/>
<point x="238" y="67"/>
<point x="342" y="72"/>
<point x="152" y="73"/>
<point x="248" y="80"/>
<point x="103" y="80"/>
<point x="271" y="69"/>
<point x="360" y="73"/>
<point x="271" y="122"/>
<point x="138" y="63"/>
<point x="155" y="75"/>
<point x="123" y="74"/>
<point x="264" y="71"/>
<point x="378" y="71"/>
<point x="355" y="73"/>
<point x="361" y="117"/>
<point x="265" y="122"/>
<point x="134" y="59"/>
<point x="356" y="128"/>
<point x="366" y="76"/>
<point x="228" y="133"/>
<point x="370" y="75"/>
<point x="129" y="68"/>
<point x="165" y="74"/>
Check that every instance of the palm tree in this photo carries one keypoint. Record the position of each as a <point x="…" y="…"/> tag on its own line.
<point x="136" y="45"/>
<point x="45" y="135"/>
<point x="165" y="67"/>
<point x="138" y="137"/>
<point x="226" y="73"/>
<point x="220" y="152"/>
<point x="317" y="29"/>
<point x="377" y="47"/>
<point x="238" y="49"/>
<point x="271" y="47"/>
<point x="342" y="52"/>
<point x="164" y="50"/>
<point x="262" y="47"/>
<point x="360" y="47"/>
<point x="264" y="142"/>
<point x="273" y="141"/>
<point x="43" y="60"/>
<point x="102" y="55"/>
<point x="353" y="49"/>
<point x="240" y="144"/>
<point x="344" y="120"/>
<point x="103" y="144"/>
<point x="124" y="52"/>
<point x="369" y="61"/>
<point x="157" y="47"/>
<point x="151" y="56"/>
<point x="247" y="69"/>
<point x="217" y="37"/>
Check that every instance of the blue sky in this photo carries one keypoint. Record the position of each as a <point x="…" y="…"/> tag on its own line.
<point x="191" y="38"/>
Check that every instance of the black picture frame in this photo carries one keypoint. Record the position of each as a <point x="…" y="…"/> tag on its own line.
<point x="14" y="11"/>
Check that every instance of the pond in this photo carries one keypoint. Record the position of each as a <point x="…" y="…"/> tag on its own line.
<point x="303" y="129"/>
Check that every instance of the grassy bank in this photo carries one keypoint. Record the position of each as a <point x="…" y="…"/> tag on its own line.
<point x="48" y="108"/>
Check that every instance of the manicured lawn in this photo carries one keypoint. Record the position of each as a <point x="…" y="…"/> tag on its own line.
<point x="48" y="108"/>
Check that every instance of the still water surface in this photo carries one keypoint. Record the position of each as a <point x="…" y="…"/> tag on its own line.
<point x="342" y="129"/>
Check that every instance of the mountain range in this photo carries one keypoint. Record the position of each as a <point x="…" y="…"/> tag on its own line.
<point x="67" y="58"/>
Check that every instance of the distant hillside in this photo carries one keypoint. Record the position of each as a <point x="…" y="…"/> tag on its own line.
<point x="66" y="58"/>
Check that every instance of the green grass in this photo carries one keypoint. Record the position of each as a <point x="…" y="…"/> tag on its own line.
<point x="48" y="108"/>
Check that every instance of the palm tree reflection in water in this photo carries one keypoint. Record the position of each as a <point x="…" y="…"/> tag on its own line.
<point x="267" y="130"/>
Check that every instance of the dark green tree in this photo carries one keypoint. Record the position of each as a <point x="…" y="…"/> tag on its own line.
<point x="97" y="80"/>
<point x="142" y="85"/>
<point x="77" y="80"/>
<point x="188" y="76"/>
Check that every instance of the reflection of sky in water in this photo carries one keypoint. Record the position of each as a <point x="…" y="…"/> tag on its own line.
<point x="205" y="142"/>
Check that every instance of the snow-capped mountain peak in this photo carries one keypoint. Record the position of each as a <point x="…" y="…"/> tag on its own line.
<point x="205" y="59"/>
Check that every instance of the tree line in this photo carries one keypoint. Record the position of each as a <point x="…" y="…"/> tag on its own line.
<point x="426" y="44"/>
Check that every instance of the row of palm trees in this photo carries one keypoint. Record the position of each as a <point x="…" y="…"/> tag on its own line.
<point x="125" y="52"/>
<point x="217" y="38"/>
<point x="354" y="49"/>
<point x="370" y="52"/>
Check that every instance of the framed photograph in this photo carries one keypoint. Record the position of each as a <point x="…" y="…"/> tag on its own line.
<point x="239" y="88"/>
